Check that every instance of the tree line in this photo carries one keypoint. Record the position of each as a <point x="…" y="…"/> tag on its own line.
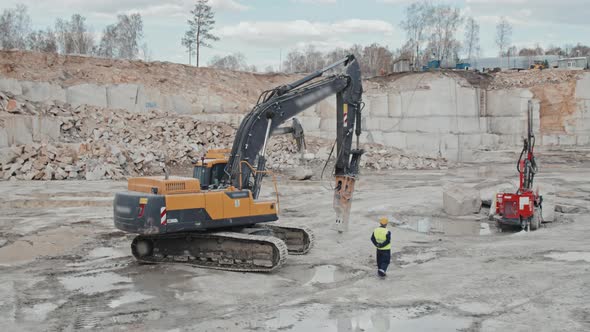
<point x="432" y="33"/>
<point x="121" y="39"/>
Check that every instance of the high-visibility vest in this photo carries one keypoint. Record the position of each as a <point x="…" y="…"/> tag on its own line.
<point x="380" y="234"/>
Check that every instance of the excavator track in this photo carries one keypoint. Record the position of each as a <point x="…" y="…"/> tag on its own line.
<point x="299" y="239"/>
<point x="230" y="251"/>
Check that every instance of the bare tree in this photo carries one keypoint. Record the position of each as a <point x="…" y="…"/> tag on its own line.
<point x="445" y="21"/>
<point x="236" y="61"/>
<point x="471" y="43"/>
<point x="503" y="35"/>
<point x="15" y="25"/>
<point x="531" y="51"/>
<point x="74" y="36"/>
<point x="122" y="40"/>
<point x="42" y="41"/>
<point x="416" y="24"/>
<point x="129" y="34"/>
<point x="376" y="60"/>
<point x="554" y="50"/>
<point x="511" y="52"/>
<point x="335" y="55"/>
<point x="314" y="59"/>
<point x="145" y="52"/>
<point x="579" y="50"/>
<point x="189" y="41"/>
<point x="108" y="42"/>
<point x="294" y="62"/>
<point x="201" y="24"/>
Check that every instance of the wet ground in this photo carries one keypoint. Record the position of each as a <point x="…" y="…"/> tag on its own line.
<point x="63" y="266"/>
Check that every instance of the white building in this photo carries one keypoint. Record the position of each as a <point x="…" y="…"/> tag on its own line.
<point x="513" y="62"/>
<point x="401" y="65"/>
<point x="573" y="63"/>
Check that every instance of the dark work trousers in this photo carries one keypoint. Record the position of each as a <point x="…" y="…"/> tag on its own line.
<point x="383" y="259"/>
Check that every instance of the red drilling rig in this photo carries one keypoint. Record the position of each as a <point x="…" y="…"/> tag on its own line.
<point x="522" y="208"/>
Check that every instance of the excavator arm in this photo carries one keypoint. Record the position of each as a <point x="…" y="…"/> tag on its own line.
<point x="247" y="160"/>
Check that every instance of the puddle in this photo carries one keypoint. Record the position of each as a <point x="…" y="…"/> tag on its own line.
<point x="105" y="252"/>
<point x="318" y="318"/>
<point x="446" y="226"/>
<point x="99" y="283"/>
<point x="324" y="274"/>
<point x="484" y="229"/>
<point x="129" y="297"/>
<point x="99" y="256"/>
<point x="49" y="243"/>
<point x="38" y="312"/>
<point x="571" y="256"/>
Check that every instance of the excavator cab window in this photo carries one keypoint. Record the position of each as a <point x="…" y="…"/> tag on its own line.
<point x="217" y="173"/>
<point x="202" y="174"/>
<point x="209" y="177"/>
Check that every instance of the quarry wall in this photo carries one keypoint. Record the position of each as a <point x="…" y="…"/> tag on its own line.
<point x="433" y="113"/>
<point x="436" y="114"/>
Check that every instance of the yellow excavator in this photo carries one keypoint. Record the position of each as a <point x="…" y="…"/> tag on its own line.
<point x="215" y="219"/>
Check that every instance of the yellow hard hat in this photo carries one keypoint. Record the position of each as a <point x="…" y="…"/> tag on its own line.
<point x="383" y="221"/>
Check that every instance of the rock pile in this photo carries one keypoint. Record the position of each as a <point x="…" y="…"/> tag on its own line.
<point x="531" y="78"/>
<point x="97" y="143"/>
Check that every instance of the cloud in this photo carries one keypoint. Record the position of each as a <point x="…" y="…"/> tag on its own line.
<point x="534" y="12"/>
<point x="278" y="32"/>
<point x="317" y="2"/>
<point x="153" y="8"/>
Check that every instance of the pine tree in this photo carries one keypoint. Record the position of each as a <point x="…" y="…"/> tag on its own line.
<point x="200" y="26"/>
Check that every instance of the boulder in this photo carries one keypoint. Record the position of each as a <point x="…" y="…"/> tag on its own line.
<point x="96" y="174"/>
<point x="3" y="138"/>
<point x="460" y="201"/>
<point x="7" y="156"/>
<point x="300" y="173"/>
<point x="10" y="85"/>
<point x="87" y="94"/>
<point x="563" y="208"/>
<point x="488" y="190"/>
<point x="125" y="96"/>
<point x="548" y="211"/>
<point x="42" y="91"/>
<point x="45" y="128"/>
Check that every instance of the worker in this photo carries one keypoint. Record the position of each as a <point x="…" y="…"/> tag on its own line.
<point x="381" y="238"/>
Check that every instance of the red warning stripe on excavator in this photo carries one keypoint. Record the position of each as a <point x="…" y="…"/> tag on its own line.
<point x="163" y="215"/>
<point x="345" y="118"/>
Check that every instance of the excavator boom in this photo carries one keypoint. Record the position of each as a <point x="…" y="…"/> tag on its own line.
<point x="284" y="102"/>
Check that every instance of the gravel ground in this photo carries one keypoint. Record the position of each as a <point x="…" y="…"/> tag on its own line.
<point x="64" y="267"/>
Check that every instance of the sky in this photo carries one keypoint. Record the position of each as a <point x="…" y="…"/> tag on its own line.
<point x="265" y="30"/>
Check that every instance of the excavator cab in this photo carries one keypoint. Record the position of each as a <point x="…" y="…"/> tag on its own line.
<point x="211" y="168"/>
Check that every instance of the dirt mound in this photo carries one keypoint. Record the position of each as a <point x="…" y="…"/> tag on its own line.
<point x="67" y="70"/>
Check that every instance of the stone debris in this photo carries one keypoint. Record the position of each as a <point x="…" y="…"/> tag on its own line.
<point x="531" y="78"/>
<point x="460" y="201"/>
<point x="301" y="173"/>
<point x="98" y="143"/>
